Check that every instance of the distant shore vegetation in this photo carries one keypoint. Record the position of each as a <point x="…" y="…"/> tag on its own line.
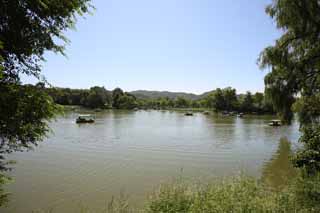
<point x="219" y="100"/>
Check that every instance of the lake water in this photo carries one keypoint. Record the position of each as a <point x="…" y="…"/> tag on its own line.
<point x="133" y="152"/>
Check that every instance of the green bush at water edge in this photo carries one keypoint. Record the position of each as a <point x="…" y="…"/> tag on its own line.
<point x="238" y="194"/>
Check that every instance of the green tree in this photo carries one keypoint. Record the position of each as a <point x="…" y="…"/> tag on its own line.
<point x="294" y="62"/>
<point x="127" y="101"/>
<point x="116" y="95"/>
<point x="170" y="103"/>
<point x="182" y="102"/>
<point x="230" y="98"/>
<point x="218" y="101"/>
<point x="28" y="29"/>
<point x="24" y="112"/>
<point x="97" y="98"/>
<point x="247" y="103"/>
<point x="195" y="104"/>
<point x="164" y="102"/>
<point x="258" y="99"/>
<point x="205" y="102"/>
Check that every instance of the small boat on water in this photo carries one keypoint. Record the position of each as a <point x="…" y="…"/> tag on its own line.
<point x="189" y="114"/>
<point x="240" y="115"/>
<point x="232" y="113"/>
<point x="206" y="112"/>
<point x="85" y="119"/>
<point x="275" y="123"/>
<point x="225" y="113"/>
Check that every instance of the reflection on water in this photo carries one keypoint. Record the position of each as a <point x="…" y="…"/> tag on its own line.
<point x="136" y="151"/>
<point x="278" y="171"/>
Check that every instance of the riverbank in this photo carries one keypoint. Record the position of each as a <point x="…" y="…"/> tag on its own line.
<point x="233" y="194"/>
<point x="236" y="194"/>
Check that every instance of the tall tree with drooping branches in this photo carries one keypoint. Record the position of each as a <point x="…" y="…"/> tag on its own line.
<point x="293" y="83"/>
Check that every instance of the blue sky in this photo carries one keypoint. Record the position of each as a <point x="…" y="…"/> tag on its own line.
<point x="175" y="45"/>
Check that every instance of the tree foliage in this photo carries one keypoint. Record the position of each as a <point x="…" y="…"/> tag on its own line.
<point x="294" y="78"/>
<point x="218" y="100"/>
<point x="31" y="27"/>
<point x="127" y="101"/>
<point x="24" y="112"/>
<point x="247" y="104"/>
<point x="182" y="102"/>
<point x="28" y="28"/>
<point x="98" y="97"/>
<point x="230" y="98"/>
<point x="116" y="95"/>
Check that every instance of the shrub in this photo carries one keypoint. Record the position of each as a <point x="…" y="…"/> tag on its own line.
<point x="239" y="194"/>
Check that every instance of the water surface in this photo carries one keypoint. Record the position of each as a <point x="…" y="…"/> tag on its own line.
<point x="133" y="152"/>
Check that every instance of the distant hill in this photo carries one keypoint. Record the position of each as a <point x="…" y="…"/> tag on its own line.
<point x="145" y="94"/>
<point x="203" y="95"/>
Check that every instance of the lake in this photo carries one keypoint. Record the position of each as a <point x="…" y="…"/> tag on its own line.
<point x="132" y="152"/>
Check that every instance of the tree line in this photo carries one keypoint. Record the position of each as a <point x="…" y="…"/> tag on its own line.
<point x="219" y="100"/>
<point x="95" y="97"/>
<point x="293" y="61"/>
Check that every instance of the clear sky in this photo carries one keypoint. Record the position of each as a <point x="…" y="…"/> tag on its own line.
<point x="174" y="45"/>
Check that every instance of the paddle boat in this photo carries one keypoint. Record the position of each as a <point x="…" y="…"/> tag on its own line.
<point x="240" y="115"/>
<point x="275" y="123"/>
<point x="188" y="114"/>
<point x="85" y="119"/>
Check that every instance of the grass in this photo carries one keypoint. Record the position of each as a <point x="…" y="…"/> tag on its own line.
<point x="236" y="194"/>
<point x="4" y="196"/>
